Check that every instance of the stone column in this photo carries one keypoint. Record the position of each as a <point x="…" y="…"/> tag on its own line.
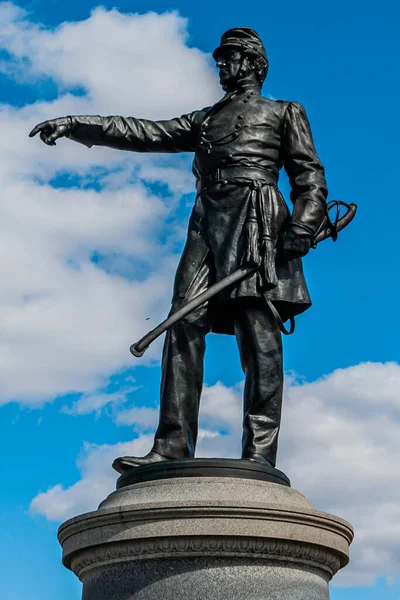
<point x="204" y="530"/>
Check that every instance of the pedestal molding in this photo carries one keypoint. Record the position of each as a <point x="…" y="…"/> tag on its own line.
<point x="318" y="557"/>
<point x="126" y="515"/>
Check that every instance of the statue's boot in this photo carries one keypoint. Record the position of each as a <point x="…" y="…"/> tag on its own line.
<point x="124" y="463"/>
<point x="259" y="458"/>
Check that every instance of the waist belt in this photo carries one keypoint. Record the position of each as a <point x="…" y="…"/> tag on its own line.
<point x="237" y="172"/>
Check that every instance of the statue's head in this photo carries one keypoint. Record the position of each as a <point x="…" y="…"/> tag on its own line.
<point x="241" y="55"/>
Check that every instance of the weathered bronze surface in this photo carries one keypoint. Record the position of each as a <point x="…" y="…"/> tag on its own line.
<point x="239" y="220"/>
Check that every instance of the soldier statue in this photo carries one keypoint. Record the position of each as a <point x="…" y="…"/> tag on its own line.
<point x="239" y="218"/>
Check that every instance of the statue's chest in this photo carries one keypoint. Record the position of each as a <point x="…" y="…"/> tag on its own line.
<point x="224" y="124"/>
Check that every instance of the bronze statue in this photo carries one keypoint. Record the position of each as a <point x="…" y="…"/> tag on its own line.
<point x="239" y="219"/>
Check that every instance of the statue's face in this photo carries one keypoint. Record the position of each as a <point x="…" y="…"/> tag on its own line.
<point x="229" y="62"/>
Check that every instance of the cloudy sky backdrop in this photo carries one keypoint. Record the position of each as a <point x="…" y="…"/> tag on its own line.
<point x="90" y="240"/>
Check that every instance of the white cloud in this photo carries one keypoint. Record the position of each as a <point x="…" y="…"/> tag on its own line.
<point x="67" y="319"/>
<point x="143" y="63"/>
<point x="97" y="401"/>
<point x="141" y="418"/>
<point x="339" y="450"/>
<point x="98" y="480"/>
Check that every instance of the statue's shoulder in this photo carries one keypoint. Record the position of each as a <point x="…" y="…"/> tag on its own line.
<point x="292" y="105"/>
<point x="283" y="108"/>
<point x="198" y="115"/>
<point x="273" y="107"/>
<point x="275" y="104"/>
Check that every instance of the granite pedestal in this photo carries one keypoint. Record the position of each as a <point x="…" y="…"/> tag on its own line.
<point x="205" y="530"/>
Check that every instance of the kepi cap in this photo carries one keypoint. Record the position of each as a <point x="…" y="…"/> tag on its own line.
<point x="245" y="39"/>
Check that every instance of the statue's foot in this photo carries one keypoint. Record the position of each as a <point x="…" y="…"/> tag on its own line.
<point x="124" y="463"/>
<point x="259" y="458"/>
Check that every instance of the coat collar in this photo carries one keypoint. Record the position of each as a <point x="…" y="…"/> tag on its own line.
<point x="248" y="85"/>
<point x="244" y="86"/>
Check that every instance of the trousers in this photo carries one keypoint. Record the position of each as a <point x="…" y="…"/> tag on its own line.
<point x="260" y="346"/>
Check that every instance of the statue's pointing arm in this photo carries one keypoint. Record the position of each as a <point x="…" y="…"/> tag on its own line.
<point x="306" y="174"/>
<point x="123" y="133"/>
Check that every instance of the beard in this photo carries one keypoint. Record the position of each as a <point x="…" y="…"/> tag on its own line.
<point x="227" y="81"/>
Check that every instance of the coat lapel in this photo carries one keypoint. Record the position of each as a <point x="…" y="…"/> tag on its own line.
<point x="227" y="98"/>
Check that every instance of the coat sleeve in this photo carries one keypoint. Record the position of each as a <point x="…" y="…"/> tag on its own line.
<point x="306" y="174"/>
<point x="137" y="135"/>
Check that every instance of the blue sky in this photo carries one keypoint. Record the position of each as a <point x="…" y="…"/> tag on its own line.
<point x="92" y="239"/>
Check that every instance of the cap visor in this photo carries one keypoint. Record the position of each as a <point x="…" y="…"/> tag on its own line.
<point x="223" y="46"/>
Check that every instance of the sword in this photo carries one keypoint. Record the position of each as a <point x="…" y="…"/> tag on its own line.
<point x="326" y="230"/>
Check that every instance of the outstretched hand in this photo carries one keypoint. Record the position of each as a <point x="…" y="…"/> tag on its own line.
<point x="52" y="130"/>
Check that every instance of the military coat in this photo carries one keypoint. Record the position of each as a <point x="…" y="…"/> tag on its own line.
<point x="240" y="145"/>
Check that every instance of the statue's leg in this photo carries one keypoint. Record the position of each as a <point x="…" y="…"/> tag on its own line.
<point x="182" y="365"/>
<point x="182" y="368"/>
<point x="260" y="346"/>
<point x="181" y="384"/>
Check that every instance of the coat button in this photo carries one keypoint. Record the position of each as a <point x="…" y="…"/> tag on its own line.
<point x="238" y="126"/>
<point x="245" y="101"/>
<point x="240" y="117"/>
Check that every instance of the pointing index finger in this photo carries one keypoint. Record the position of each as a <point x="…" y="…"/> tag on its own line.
<point x="38" y="128"/>
<point x="34" y="131"/>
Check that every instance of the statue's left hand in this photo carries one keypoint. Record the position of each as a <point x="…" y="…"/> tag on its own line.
<point x="294" y="245"/>
<point x="52" y="130"/>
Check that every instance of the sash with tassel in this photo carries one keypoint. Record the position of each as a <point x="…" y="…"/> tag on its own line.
<point x="260" y="249"/>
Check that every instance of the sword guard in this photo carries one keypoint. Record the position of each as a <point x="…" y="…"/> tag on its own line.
<point x="329" y="229"/>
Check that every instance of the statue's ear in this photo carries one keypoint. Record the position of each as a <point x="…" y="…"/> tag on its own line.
<point x="252" y="62"/>
<point x="245" y="66"/>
